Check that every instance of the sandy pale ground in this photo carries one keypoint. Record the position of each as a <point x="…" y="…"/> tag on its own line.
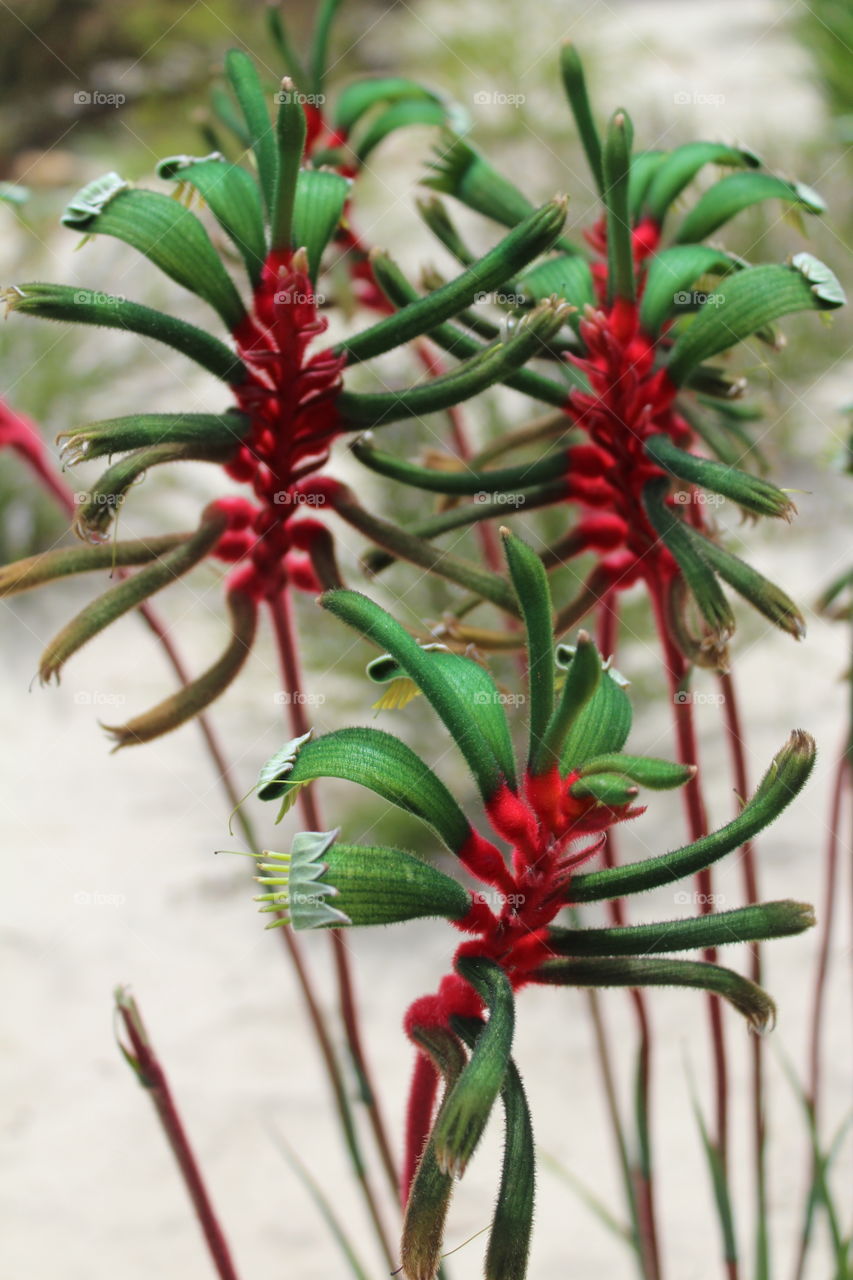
<point x="109" y="878"/>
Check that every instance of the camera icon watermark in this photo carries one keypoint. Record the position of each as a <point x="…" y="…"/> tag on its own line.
<point x="496" y="98"/>
<point x="502" y="299"/>
<point x="693" y="99"/>
<point x="692" y="898"/>
<point x="100" y="499"/>
<point x="494" y="697"/>
<point x="685" y="699"/>
<point x="686" y="497"/>
<point x="88" y="898"/>
<point x="696" y="298"/>
<point x="97" y="98"/>
<point x="284" y="96"/>
<point x="502" y="499"/>
<point x="83" y="296"/>
<point x="287" y="498"/>
<point x="496" y="900"/>
<point x="94" y="698"/>
<point x="286" y="698"/>
<point x="292" y="298"/>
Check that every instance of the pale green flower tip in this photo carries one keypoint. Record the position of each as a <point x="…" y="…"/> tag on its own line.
<point x="307" y="893"/>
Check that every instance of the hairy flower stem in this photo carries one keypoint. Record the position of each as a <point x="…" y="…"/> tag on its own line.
<point x="687" y="749"/>
<point x="734" y="731"/>
<point x="143" y="1059"/>
<point x="608" y="629"/>
<point x="281" y="611"/>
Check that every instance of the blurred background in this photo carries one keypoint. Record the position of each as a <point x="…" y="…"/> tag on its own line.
<point x="109" y="876"/>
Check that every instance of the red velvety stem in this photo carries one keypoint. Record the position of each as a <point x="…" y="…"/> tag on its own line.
<point x="422" y="1095"/>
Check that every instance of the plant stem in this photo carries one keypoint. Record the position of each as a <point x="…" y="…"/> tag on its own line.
<point x="283" y="624"/>
<point x="608" y="631"/>
<point x="734" y="731"/>
<point x="687" y="749"/>
<point x="149" y="1071"/>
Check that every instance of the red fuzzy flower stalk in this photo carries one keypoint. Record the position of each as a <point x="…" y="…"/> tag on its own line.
<point x="577" y="784"/>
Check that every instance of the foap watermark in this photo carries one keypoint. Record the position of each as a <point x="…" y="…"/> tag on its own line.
<point x="502" y="299"/>
<point x="497" y="901"/>
<point x="84" y="296"/>
<point x="696" y="298"/>
<point x="693" y="98"/>
<point x="98" y="98"/>
<point x="685" y="699"/>
<point x="91" y="898"/>
<point x="286" y="698"/>
<point x="99" y="499"/>
<point x="284" y="96"/>
<point x="497" y="98"/>
<point x="293" y="298"/>
<point x="692" y="898"/>
<point x="95" y="698"/>
<point x="485" y="697"/>
<point x="684" y="498"/>
<point x="502" y="499"/>
<point x="286" y="498"/>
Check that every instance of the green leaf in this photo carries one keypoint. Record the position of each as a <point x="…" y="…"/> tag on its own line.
<point x="744" y="924"/>
<point x="244" y="80"/>
<point x="785" y="778"/>
<point x="644" y="166"/>
<point x="669" y="279"/>
<point x="460" y="1127"/>
<point x="317" y="211"/>
<point x="279" y="35"/>
<point x="88" y="306"/>
<point x="681" y="167"/>
<point x="201" y="431"/>
<point x="574" y="83"/>
<point x="533" y="236"/>
<point x="461" y="692"/>
<point x="319" y="54"/>
<point x="750" y="1000"/>
<point x="233" y="198"/>
<point x="738" y="191"/>
<point x="604" y="722"/>
<point x="717" y="1167"/>
<point x="169" y="236"/>
<point x="748" y="491"/>
<point x="746" y="303"/>
<point x="375" y="760"/>
<point x="530" y="582"/>
<point x="617" y="172"/>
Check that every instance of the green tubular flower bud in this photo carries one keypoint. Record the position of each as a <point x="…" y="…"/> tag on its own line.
<point x="463" y="482"/>
<point x="469" y="1103"/>
<point x="616" y="163"/>
<point x="461" y="692"/>
<point x="748" y="491"/>
<point x="198" y="694"/>
<point x="95" y="515"/>
<point x="533" y="236"/>
<point x="318" y="207"/>
<point x="431" y="1189"/>
<point x="260" y="135"/>
<point x="698" y="574"/>
<point x="672" y="273"/>
<point x="644" y="166"/>
<point x="35" y="571"/>
<point x="738" y="191"/>
<point x="490" y="364"/>
<point x="612" y="789"/>
<point x="169" y="236"/>
<point x="530" y="582"/>
<point x="318" y="57"/>
<point x="762" y="594"/>
<point x="574" y="82"/>
<point x="785" y="778"/>
<point x="750" y="1000"/>
<point x="512" y="1223"/>
<point x="681" y="166"/>
<point x="744" y="924"/>
<point x="372" y="759"/>
<point x="130" y="593"/>
<point x="657" y="775"/>
<point x="85" y="306"/>
<point x="578" y="688"/>
<point x="290" y="130"/>
<point x="199" y="431"/>
<point x="435" y="215"/>
<point x="604" y="722"/>
<point x="357" y="99"/>
<point x="321" y="884"/>
<point x="232" y="196"/>
<point x="281" y="40"/>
